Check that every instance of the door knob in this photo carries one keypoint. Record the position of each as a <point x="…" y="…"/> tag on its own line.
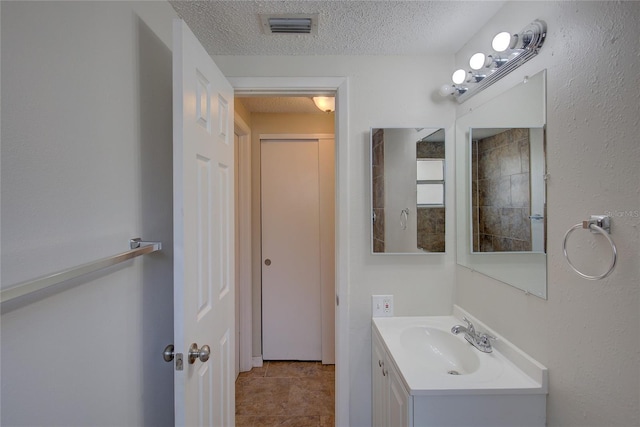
<point x="267" y="262"/>
<point x="168" y="354"/>
<point x="202" y="354"/>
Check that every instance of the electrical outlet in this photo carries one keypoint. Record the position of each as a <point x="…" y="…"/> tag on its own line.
<point x="382" y="305"/>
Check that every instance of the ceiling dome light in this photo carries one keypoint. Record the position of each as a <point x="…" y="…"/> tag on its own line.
<point x="325" y="103"/>
<point x="501" y="42"/>
<point x="477" y="61"/>
<point x="459" y="76"/>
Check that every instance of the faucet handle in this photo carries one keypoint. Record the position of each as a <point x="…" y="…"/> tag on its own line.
<point x="484" y="340"/>
<point x="486" y="336"/>
<point x="470" y="326"/>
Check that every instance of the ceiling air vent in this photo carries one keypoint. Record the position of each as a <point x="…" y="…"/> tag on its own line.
<point x="290" y="24"/>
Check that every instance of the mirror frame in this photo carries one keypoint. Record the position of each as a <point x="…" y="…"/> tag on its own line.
<point x="525" y="271"/>
<point x="447" y="159"/>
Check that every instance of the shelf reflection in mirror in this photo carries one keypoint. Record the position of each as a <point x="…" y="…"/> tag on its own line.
<point x="407" y="190"/>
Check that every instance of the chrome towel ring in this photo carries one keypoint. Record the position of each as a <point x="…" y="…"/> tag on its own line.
<point x="597" y="224"/>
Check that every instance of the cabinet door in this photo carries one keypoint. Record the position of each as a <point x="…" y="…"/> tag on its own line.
<point x="399" y="403"/>
<point x="380" y="386"/>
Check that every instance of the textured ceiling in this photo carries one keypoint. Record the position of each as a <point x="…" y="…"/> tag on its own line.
<point x="344" y="27"/>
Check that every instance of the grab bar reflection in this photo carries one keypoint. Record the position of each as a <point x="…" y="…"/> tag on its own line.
<point x="138" y="247"/>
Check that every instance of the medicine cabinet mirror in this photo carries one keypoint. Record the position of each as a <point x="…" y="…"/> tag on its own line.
<point x="408" y="190"/>
<point x="500" y="197"/>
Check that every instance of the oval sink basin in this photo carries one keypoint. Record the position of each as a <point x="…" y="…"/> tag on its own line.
<point x="440" y="351"/>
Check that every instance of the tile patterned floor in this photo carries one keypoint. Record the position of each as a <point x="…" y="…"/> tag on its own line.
<point x="294" y="394"/>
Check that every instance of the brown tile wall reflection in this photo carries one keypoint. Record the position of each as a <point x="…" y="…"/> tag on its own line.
<point x="431" y="221"/>
<point x="501" y="193"/>
<point x="431" y="230"/>
<point x="377" y="164"/>
<point x="430" y="150"/>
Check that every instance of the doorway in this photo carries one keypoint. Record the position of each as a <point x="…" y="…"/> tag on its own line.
<point x="308" y="86"/>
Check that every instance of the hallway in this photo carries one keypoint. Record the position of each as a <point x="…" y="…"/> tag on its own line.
<point x="300" y="394"/>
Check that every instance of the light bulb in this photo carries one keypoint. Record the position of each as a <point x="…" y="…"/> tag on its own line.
<point x="446" y="90"/>
<point x="477" y="61"/>
<point x="459" y="76"/>
<point x="501" y="42"/>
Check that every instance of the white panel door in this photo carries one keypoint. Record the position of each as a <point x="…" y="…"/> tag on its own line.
<point x="291" y="317"/>
<point x="203" y="217"/>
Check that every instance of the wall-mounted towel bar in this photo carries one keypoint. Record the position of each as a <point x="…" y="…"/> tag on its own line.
<point x="138" y="247"/>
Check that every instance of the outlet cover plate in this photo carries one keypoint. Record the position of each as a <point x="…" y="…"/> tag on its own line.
<point x="381" y="305"/>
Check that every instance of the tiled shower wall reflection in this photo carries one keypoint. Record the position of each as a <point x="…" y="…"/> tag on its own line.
<point x="431" y="220"/>
<point x="501" y="192"/>
<point x="377" y="160"/>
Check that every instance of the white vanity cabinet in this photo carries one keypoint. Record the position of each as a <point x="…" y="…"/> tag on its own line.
<point x="425" y="376"/>
<point x="392" y="404"/>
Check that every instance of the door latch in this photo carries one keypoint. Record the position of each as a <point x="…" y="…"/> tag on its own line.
<point x="168" y="355"/>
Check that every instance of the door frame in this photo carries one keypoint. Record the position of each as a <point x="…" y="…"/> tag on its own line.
<point x="338" y="86"/>
<point x="243" y="219"/>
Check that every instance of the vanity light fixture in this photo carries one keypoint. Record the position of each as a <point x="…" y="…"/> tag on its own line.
<point x="477" y="61"/>
<point x="509" y="52"/>
<point x="459" y="76"/>
<point x="501" y="41"/>
<point x="446" y="90"/>
<point x="325" y="103"/>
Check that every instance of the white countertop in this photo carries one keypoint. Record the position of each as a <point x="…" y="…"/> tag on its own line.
<point x="495" y="373"/>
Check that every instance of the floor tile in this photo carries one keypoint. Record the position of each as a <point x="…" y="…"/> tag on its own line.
<point x="293" y="369"/>
<point x="295" y="394"/>
<point x="289" y="421"/>
<point x="262" y="396"/>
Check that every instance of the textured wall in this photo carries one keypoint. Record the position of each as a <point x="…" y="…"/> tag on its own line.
<point x="586" y="333"/>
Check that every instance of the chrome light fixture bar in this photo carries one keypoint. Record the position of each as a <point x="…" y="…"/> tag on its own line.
<point x="512" y="53"/>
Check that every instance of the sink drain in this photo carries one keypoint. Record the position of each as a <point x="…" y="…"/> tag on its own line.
<point x="453" y="372"/>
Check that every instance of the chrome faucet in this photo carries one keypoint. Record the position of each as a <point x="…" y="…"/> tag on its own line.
<point x="481" y="341"/>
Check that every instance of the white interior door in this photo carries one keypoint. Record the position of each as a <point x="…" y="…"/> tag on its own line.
<point x="203" y="235"/>
<point x="291" y="317"/>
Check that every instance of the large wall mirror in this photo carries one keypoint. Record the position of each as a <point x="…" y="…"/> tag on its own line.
<point x="407" y="190"/>
<point x="501" y="192"/>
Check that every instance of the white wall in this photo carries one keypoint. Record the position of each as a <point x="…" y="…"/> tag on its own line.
<point x="422" y="284"/>
<point x="586" y="333"/>
<point x="86" y="165"/>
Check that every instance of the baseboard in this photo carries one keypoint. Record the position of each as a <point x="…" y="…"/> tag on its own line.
<point x="257" y="362"/>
